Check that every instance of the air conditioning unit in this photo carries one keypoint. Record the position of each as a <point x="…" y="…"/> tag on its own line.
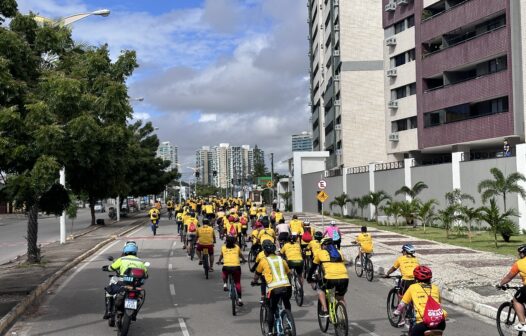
<point x="338" y="152"/>
<point x="321" y="6"/>
<point x="402" y="2"/>
<point x="390" y="41"/>
<point x="336" y="78"/>
<point x="336" y="53"/>
<point x="392" y="72"/>
<point x="337" y="103"/>
<point x="393" y="137"/>
<point x="390" y="7"/>
<point x="336" y="27"/>
<point x="338" y="127"/>
<point x="336" y="2"/>
<point x="393" y="104"/>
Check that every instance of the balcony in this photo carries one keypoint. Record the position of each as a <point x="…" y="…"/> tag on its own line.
<point x="458" y="16"/>
<point x="489" y="44"/>
<point x="478" y="89"/>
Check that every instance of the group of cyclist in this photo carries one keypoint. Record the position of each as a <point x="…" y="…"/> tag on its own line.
<point x="281" y="248"/>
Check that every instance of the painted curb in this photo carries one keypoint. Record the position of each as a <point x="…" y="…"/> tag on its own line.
<point x="11" y="317"/>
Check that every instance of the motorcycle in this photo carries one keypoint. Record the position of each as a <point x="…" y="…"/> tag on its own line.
<point x="125" y="297"/>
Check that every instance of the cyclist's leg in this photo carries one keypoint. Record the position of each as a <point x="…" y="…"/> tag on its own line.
<point x="420" y="328"/>
<point x="286" y="297"/>
<point x="340" y="288"/>
<point x="321" y="294"/>
<point x="275" y="295"/>
<point x="198" y="250"/>
<point x="263" y="287"/>
<point x="299" y="271"/>
<point x="211" y="257"/>
<point x="237" y="281"/>
<point x="224" y="276"/>
<point x="518" y="303"/>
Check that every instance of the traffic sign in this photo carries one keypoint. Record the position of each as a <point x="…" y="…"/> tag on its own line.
<point x="322" y="196"/>
<point x="270" y="184"/>
<point x="322" y="184"/>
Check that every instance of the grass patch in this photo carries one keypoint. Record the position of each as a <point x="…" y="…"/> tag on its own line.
<point x="482" y="240"/>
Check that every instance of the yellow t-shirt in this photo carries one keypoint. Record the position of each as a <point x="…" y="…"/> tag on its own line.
<point x="407" y="265"/>
<point x="205" y="235"/>
<point x="170" y="205"/>
<point x="264" y="269"/>
<point x="296" y="227"/>
<point x="189" y="219"/>
<point x="292" y="252"/>
<point x="237" y="227"/>
<point x="260" y="256"/>
<point x="366" y="242"/>
<point x="314" y="246"/>
<point x="331" y="270"/>
<point x="278" y="216"/>
<point x="519" y="267"/>
<point x="231" y="256"/>
<point x="209" y="209"/>
<point x="418" y="293"/>
<point x="254" y="236"/>
<point x="179" y="217"/>
<point x="253" y="211"/>
<point x="266" y="234"/>
<point x="154" y="213"/>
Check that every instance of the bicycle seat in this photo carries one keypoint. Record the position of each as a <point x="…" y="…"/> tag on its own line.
<point x="434" y="333"/>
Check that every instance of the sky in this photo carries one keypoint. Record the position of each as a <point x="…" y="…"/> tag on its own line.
<point x="211" y="71"/>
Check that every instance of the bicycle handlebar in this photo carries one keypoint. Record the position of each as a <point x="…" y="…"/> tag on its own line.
<point x="506" y="287"/>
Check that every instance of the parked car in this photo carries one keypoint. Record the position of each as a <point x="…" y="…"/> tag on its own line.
<point x="99" y="207"/>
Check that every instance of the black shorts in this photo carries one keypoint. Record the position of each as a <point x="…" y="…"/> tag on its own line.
<point x="283" y="236"/>
<point x="520" y="296"/>
<point x="244" y="230"/>
<point x="421" y="328"/>
<point x="339" y="285"/>
<point x="404" y="285"/>
<point x="296" y="265"/>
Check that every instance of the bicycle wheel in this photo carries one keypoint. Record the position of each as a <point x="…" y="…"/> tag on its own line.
<point x="192" y="250"/>
<point x="233" y="295"/>
<point x="369" y="269"/>
<point x="506" y="319"/>
<point x="298" y="292"/>
<point x="205" y="264"/>
<point x="392" y="302"/>
<point x="358" y="267"/>
<point x="263" y="313"/>
<point x="341" y="327"/>
<point x="322" y="321"/>
<point x="251" y="259"/>
<point x="287" y="323"/>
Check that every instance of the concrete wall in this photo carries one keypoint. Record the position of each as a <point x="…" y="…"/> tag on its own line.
<point x="310" y="181"/>
<point x="334" y="189"/>
<point x="437" y="177"/>
<point x="358" y="186"/>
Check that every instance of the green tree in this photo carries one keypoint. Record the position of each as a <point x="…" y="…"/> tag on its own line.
<point x="409" y="211"/>
<point x="469" y="215"/>
<point x="448" y="216"/>
<point x="456" y="196"/>
<point x="501" y="185"/>
<point x="71" y="210"/>
<point x="340" y="201"/>
<point x="412" y="191"/>
<point x="361" y="202"/>
<point x="376" y="198"/>
<point x="426" y="212"/>
<point x="392" y="209"/>
<point x="498" y="222"/>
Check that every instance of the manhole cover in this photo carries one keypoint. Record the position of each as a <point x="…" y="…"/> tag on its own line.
<point x="380" y="236"/>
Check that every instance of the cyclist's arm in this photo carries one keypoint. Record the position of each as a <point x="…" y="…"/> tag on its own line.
<point x="511" y="274"/>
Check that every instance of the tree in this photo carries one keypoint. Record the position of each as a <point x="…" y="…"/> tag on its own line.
<point x="470" y="214"/>
<point x="361" y="202"/>
<point x="259" y="163"/>
<point x="448" y="216"/>
<point x="392" y="209"/>
<point x="426" y="212"/>
<point x="498" y="222"/>
<point x="71" y="210"/>
<point x="456" y="196"/>
<point x="286" y="197"/>
<point x="501" y="185"/>
<point x="409" y="210"/>
<point x="376" y="198"/>
<point x="413" y="191"/>
<point x="340" y="201"/>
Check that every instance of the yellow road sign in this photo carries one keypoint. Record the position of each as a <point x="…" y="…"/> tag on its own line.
<point x="322" y="196"/>
<point x="270" y="184"/>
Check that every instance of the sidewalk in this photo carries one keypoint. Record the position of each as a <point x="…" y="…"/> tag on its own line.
<point x="467" y="277"/>
<point x="20" y="281"/>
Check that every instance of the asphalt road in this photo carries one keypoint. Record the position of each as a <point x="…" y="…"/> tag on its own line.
<point x="180" y="301"/>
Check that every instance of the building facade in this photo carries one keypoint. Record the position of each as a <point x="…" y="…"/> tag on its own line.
<point x="302" y="142"/>
<point x="204" y="165"/>
<point x="168" y="152"/>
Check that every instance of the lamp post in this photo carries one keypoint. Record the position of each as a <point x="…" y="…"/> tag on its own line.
<point x="195" y="170"/>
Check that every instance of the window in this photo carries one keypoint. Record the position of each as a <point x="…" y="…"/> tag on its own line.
<point x="412" y="122"/>
<point x="411" y="55"/>
<point x="403" y="124"/>
<point x="410" y="21"/>
<point x="399" y="27"/>
<point x="398" y="60"/>
<point x="497" y="64"/>
<point x="400" y="92"/>
<point x="404" y="24"/>
<point x="329" y="128"/>
<point x="403" y="91"/>
<point x="412" y="89"/>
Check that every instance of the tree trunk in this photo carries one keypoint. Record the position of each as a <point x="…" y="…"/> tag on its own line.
<point x="504" y="200"/>
<point x="92" y="211"/>
<point x="495" y="234"/>
<point x="33" y="252"/>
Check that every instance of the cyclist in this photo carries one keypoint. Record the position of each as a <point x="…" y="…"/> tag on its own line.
<point x="406" y="263"/>
<point x="252" y="213"/>
<point x="335" y="275"/>
<point x="418" y="294"/>
<point x="170" y="207"/>
<point x="291" y="252"/>
<point x="276" y="273"/>
<point x="179" y="221"/>
<point x="365" y="240"/>
<point x="333" y="231"/>
<point x="209" y="211"/>
<point x="206" y="239"/>
<point x="519" y="267"/>
<point x="315" y="245"/>
<point x="308" y="233"/>
<point x="190" y="229"/>
<point x="232" y="256"/>
<point x="296" y="226"/>
<point x="154" y="214"/>
<point x="266" y="233"/>
<point x="243" y="220"/>
<point x="283" y="230"/>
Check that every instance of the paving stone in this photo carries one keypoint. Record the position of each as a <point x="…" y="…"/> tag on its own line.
<point x="413" y="242"/>
<point x="483" y="263"/>
<point x="445" y="251"/>
<point x="486" y="290"/>
<point x="380" y="236"/>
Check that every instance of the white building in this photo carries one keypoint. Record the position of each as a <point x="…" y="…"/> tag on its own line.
<point x="168" y="152"/>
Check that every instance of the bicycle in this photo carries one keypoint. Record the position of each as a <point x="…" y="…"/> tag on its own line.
<point x="337" y="314"/>
<point x="284" y="324"/>
<point x="365" y="264"/>
<point x="393" y="300"/>
<point x="191" y="245"/>
<point x="243" y="242"/>
<point x="170" y="214"/>
<point x="232" y="291"/>
<point x="307" y="262"/>
<point x="252" y="255"/>
<point x="297" y="288"/>
<point x="205" y="260"/>
<point x="507" y="316"/>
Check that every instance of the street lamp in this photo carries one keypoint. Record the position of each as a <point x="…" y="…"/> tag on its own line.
<point x="72" y="18"/>
<point x="195" y="170"/>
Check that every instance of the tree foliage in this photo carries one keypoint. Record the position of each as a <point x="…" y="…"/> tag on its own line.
<point x="340" y="201"/>
<point x="412" y="191"/>
<point x="501" y="185"/>
<point x="499" y="222"/>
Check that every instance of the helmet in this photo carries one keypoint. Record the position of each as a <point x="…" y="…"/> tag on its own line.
<point x="522" y="249"/>
<point x="318" y="235"/>
<point x="422" y="273"/>
<point x="364" y="228"/>
<point x="268" y="247"/>
<point x="130" y="248"/>
<point x="327" y="241"/>
<point x="306" y="223"/>
<point x="333" y="222"/>
<point x="231" y="239"/>
<point x="206" y="221"/>
<point x="408" y="248"/>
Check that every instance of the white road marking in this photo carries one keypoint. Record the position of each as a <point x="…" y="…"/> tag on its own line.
<point x="184" y="329"/>
<point x="173" y="245"/>
<point x="171" y="253"/>
<point x="170" y="267"/>
<point x="364" y="330"/>
<point x="172" y="289"/>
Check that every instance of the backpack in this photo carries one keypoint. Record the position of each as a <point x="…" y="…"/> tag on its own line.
<point x="433" y="313"/>
<point x="243" y="221"/>
<point x="192" y="227"/>
<point x="232" y="231"/>
<point x="336" y="235"/>
<point x="334" y="254"/>
<point x="306" y="237"/>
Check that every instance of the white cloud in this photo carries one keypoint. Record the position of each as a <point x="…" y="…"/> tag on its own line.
<point x="141" y="115"/>
<point x="207" y="118"/>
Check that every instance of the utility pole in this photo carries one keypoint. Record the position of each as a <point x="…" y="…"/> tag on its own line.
<point x="272" y="176"/>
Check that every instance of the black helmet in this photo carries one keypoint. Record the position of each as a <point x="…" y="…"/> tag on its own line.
<point x="269" y="247"/>
<point x="230" y="240"/>
<point x="364" y="229"/>
<point x="206" y="221"/>
<point x="318" y="235"/>
<point x="522" y="249"/>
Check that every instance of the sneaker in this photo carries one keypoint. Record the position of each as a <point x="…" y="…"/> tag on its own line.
<point x="225" y="287"/>
<point x="520" y="327"/>
<point x="239" y="302"/>
<point x="106" y="316"/>
<point x="262" y="300"/>
<point x="200" y="263"/>
<point x="324" y="314"/>
<point x="211" y="270"/>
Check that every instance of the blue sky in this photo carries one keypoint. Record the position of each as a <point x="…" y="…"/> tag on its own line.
<point x="211" y="71"/>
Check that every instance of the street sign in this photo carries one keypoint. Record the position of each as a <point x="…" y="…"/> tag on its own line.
<point x="322" y="184"/>
<point x="322" y="196"/>
<point x="270" y="184"/>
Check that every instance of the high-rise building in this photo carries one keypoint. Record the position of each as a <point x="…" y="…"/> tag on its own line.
<point x="204" y="165"/>
<point x="168" y="152"/>
<point x="455" y="76"/>
<point x="347" y="81"/>
<point x="302" y="142"/>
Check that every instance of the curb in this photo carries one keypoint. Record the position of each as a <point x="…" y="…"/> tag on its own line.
<point x="22" y="306"/>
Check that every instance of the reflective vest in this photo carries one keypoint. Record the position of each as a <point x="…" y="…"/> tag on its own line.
<point x="279" y="277"/>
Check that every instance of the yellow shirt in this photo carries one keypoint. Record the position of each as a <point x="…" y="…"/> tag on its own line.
<point x="296" y="227"/>
<point x="278" y="216"/>
<point x="366" y="242"/>
<point x="407" y="265"/>
<point x="231" y="256"/>
<point x="179" y="217"/>
<point x="129" y="261"/>
<point x="265" y="269"/>
<point x="209" y="209"/>
<point x="254" y="236"/>
<point x="266" y="234"/>
<point x="331" y="270"/>
<point x="519" y="267"/>
<point x="418" y="293"/>
<point x="253" y="211"/>
<point x="189" y="219"/>
<point x="292" y="252"/>
<point x="154" y="213"/>
<point x="314" y="246"/>
<point x="205" y="235"/>
<point x="260" y="256"/>
<point x="237" y="227"/>
<point x="170" y="205"/>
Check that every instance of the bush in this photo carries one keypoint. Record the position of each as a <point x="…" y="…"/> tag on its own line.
<point x="507" y="229"/>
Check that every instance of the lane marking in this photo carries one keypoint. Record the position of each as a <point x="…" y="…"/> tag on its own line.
<point x="354" y="324"/>
<point x="170" y="267"/>
<point x="171" y="253"/>
<point x="173" y="245"/>
<point x="184" y="329"/>
<point x="172" y="289"/>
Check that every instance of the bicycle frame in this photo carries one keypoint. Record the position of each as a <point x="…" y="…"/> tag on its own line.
<point x="330" y="297"/>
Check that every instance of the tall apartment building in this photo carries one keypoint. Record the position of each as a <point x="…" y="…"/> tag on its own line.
<point x="468" y="67"/>
<point x="347" y="81"/>
<point x="302" y="142"/>
<point x="168" y="152"/>
<point x="204" y="164"/>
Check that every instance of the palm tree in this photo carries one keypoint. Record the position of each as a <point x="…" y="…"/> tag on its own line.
<point x="426" y="212"/>
<point x="456" y="196"/>
<point x="340" y="201"/>
<point x="498" y="222"/>
<point x="470" y="214"/>
<point x="392" y="209"/>
<point x="501" y="185"/>
<point x="361" y="202"/>
<point x="376" y="198"/>
<point x="409" y="210"/>
<point x="414" y="191"/>
<point x="286" y="197"/>
<point x="350" y="211"/>
<point x="448" y="216"/>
